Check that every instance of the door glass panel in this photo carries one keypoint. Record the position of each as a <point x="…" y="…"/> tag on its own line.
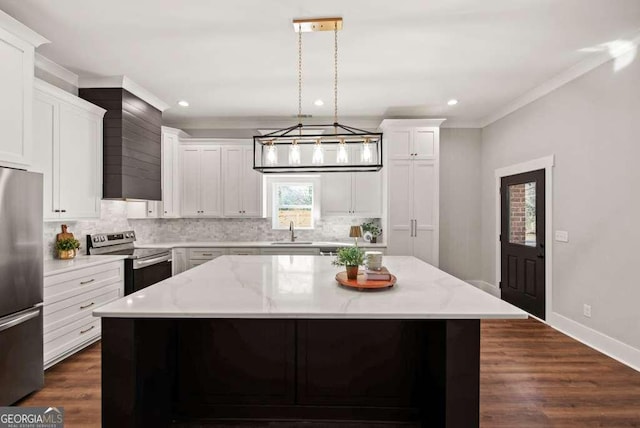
<point x="522" y="214"/>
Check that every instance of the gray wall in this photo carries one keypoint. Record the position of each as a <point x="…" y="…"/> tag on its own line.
<point x="460" y="202"/>
<point x="592" y="126"/>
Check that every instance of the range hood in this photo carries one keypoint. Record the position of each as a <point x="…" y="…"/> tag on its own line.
<point x="131" y="145"/>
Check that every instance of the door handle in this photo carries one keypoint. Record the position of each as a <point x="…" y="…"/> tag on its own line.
<point x="541" y="256"/>
<point x="19" y="319"/>
<point x="415" y="228"/>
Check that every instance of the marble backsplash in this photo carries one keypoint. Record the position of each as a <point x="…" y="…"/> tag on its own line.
<point x="114" y="219"/>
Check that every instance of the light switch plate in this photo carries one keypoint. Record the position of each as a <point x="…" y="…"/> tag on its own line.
<point x="562" y="236"/>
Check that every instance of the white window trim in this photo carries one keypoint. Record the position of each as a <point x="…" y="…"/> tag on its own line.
<point x="293" y="179"/>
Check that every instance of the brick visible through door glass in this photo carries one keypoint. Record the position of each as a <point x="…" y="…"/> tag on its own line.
<point x="522" y="214"/>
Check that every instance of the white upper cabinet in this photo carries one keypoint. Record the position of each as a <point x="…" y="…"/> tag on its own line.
<point x="200" y="167"/>
<point x="68" y="152"/>
<point x="242" y="185"/>
<point x="351" y="193"/>
<point x="416" y="143"/>
<point x="17" y="47"/>
<point x="170" y="173"/>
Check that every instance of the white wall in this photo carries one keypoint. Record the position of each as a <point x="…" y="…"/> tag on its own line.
<point x="592" y="126"/>
<point x="460" y="202"/>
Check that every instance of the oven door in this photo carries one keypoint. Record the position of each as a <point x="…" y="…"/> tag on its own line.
<point x="146" y="272"/>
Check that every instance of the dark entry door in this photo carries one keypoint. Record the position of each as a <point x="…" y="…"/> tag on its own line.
<point x="522" y="240"/>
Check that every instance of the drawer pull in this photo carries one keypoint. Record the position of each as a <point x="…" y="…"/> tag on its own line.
<point x="89" y="329"/>
<point x="207" y="254"/>
<point x="87" y="306"/>
<point x="87" y="282"/>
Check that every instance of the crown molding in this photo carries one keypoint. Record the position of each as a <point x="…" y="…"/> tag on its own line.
<point x="20" y="30"/>
<point x="579" y="69"/>
<point x="55" y="69"/>
<point x="70" y="98"/>
<point x="395" y="123"/>
<point x="175" y="131"/>
<point x="265" y="122"/>
<point x="461" y="124"/>
<point x="125" y="83"/>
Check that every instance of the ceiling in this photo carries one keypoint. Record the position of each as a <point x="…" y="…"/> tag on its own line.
<point x="237" y="59"/>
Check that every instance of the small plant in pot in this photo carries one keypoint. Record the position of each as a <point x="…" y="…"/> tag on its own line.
<point x="351" y="257"/>
<point x="373" y="230"/>
<point x="67" y="248"/>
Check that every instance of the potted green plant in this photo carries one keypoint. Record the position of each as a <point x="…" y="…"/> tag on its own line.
<point x="67" y="247"/>
<point x="351" y="257"/>
<point x="373" y="230"/>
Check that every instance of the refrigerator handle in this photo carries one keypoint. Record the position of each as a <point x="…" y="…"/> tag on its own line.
<point x="19" y="319"/>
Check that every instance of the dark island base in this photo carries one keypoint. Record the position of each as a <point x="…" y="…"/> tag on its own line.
<point x="158" y="372"/>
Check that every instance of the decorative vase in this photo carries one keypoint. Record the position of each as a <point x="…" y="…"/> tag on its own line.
<point x="352" y="272"/>
<point x="66" y="254"/>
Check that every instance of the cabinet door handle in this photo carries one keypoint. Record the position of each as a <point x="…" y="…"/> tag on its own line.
<point x="87" y="306"/>
<point x="87" y="282"/>
<point x="56" y="211"/>
<point x="415" y="228"/>
<point x="63" y="211"/>
<point x="89" y="329"/>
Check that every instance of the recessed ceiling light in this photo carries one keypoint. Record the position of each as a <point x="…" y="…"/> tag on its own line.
<point x="183" y="103"/>
<point x="318" y="102"/>
<point x="452" y="102"/>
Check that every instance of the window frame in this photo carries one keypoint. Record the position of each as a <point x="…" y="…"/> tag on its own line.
<point x="275" y="182"/>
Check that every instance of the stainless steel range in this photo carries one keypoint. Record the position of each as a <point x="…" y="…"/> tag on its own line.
<point x="143" y="266"/>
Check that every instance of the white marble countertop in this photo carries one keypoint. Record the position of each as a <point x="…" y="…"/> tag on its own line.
<point x="255" y="244"/>
<point x="56" y="266"/>
<point x="305" y="287"/>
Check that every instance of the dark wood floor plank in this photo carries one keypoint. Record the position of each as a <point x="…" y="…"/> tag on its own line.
<point x="531" y="376"/>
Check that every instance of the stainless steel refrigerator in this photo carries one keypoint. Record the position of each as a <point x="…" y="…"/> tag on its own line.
<point x="21" y="365"/>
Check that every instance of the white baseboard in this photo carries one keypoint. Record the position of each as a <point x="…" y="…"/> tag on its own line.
<point x="615" y="349"/>
<point x="609" y="346"/>
<point x="485" y="286"/>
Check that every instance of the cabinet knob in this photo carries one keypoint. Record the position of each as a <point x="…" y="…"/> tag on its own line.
<point x="63" y="211"/>
<point x="56" y="211"/>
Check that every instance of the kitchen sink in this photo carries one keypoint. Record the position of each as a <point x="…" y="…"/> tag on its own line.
<point x="292" y="243"/>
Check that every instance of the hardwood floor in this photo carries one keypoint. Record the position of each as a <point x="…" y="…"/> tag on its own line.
<point x="531" y="376"/>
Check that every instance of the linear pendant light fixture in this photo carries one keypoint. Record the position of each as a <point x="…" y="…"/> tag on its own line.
<point x="317" y="148"/>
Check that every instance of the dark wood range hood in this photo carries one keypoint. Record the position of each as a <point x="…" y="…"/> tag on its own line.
<point x="132" y="144"/>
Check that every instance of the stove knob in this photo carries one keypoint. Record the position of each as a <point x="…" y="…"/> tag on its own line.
<point x="96" y="238"/>
<point x="102" y="238"/>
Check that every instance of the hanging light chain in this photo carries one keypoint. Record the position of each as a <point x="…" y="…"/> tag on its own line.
<point x="299" y="75"/>
<point x="335" y="77"/>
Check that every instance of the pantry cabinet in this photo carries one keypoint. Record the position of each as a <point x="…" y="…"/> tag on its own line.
<point x="413" y="161"/>
<point x="201" y="181"/>
<point x="242" y="185"/>
<point x="351" y="193"/>
<point x="68" y="152"/>
<point x="17" y="50"/>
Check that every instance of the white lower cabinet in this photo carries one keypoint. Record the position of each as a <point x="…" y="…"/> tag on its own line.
<point x="198" y="256"/>
<point x="179" y="261"/>
<point x="69" y="300"/>
<point x="244" y="251"/>
<point x="290" y="251"/>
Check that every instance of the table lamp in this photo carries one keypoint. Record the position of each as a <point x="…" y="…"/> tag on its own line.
<point x="355" y="232"/>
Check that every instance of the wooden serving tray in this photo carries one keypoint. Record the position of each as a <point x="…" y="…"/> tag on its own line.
<point x="361" y="285"/>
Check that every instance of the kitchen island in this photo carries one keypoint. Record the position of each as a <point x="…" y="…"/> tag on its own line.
<point x="257" y="338"/>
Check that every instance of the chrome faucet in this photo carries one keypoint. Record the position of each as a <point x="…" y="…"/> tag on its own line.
<point x="293" y="231"/>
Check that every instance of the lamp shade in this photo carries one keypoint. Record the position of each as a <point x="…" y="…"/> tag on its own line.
<point x="355" y="232"/>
